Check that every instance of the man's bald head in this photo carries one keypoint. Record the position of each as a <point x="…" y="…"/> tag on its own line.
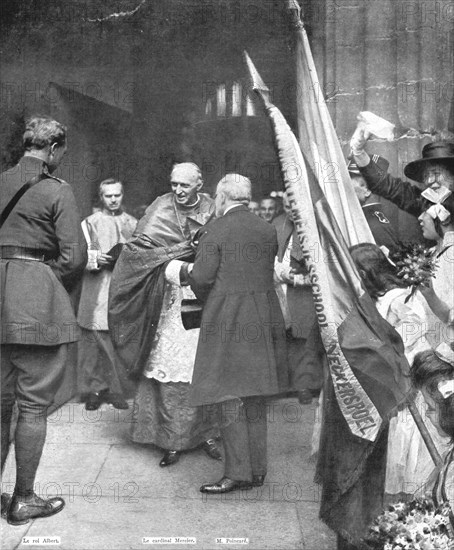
<point x="236" y="187"/>
<point x="232" y="189"/>
<point x="186" y="172"/>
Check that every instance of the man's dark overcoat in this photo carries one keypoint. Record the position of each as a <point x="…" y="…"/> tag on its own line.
<point x="241" y="350"/>
<point x="35" y="307"/>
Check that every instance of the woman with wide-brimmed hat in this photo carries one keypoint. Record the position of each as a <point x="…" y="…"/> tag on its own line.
<point x="434" y="172"/>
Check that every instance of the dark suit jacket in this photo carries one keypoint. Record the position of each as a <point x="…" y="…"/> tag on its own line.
<point x="241" y="350"/>
<point x="36" y="308"/>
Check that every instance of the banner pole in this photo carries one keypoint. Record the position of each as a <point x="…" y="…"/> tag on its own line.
<point x="434" y="454"/>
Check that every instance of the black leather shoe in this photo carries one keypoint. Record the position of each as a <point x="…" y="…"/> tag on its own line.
<point x="22" y="510"/>
<point x="93" y="402"/>
<point x="305" y="397"/>
<point x="171" y="457"/>
<point x="209" y="446"/>
<point x="6" y="499"/>
<point x="225" y="485"/>
<point x="257" y="480"/>
<point x="116" y="400"/>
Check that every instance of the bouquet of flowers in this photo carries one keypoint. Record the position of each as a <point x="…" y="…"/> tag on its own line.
<point x="416" y="525"/>
<point x="415" y="263"/>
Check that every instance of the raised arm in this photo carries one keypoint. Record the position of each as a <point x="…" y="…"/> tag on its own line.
<point x="402" y="193"/>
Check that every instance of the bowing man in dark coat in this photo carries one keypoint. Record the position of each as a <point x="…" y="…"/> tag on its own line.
<point x="241" y="355"/>
<point x="42" y="253"/>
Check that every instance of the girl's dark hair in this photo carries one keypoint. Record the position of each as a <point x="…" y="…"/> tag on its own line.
<point x="377" y="273"/>
<point x="448" y="204"/>
<point x="428" y="370"/>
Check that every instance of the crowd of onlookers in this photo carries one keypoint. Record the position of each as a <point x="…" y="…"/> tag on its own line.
<point x="270" y="206"/>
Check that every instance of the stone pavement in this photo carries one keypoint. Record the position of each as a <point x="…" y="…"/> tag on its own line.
<point x="117" y="496"/>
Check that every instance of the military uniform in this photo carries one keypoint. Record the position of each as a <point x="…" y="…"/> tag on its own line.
<point x="42" y="251"/>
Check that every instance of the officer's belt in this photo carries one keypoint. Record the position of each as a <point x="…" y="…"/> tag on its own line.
<point x="10" y="252"/>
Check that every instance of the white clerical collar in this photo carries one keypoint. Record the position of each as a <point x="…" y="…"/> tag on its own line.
<point x="232" y="206"/>
<point x="195" y="203"/>
<point x="110" y="213"/>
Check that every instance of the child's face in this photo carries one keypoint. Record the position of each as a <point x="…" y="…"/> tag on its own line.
<point x="428" y="227"/>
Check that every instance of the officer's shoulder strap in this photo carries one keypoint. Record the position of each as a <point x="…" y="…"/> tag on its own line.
<point x="50" y="176"/>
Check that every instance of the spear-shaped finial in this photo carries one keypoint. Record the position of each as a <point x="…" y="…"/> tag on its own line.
<point x="257" y="83"/>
